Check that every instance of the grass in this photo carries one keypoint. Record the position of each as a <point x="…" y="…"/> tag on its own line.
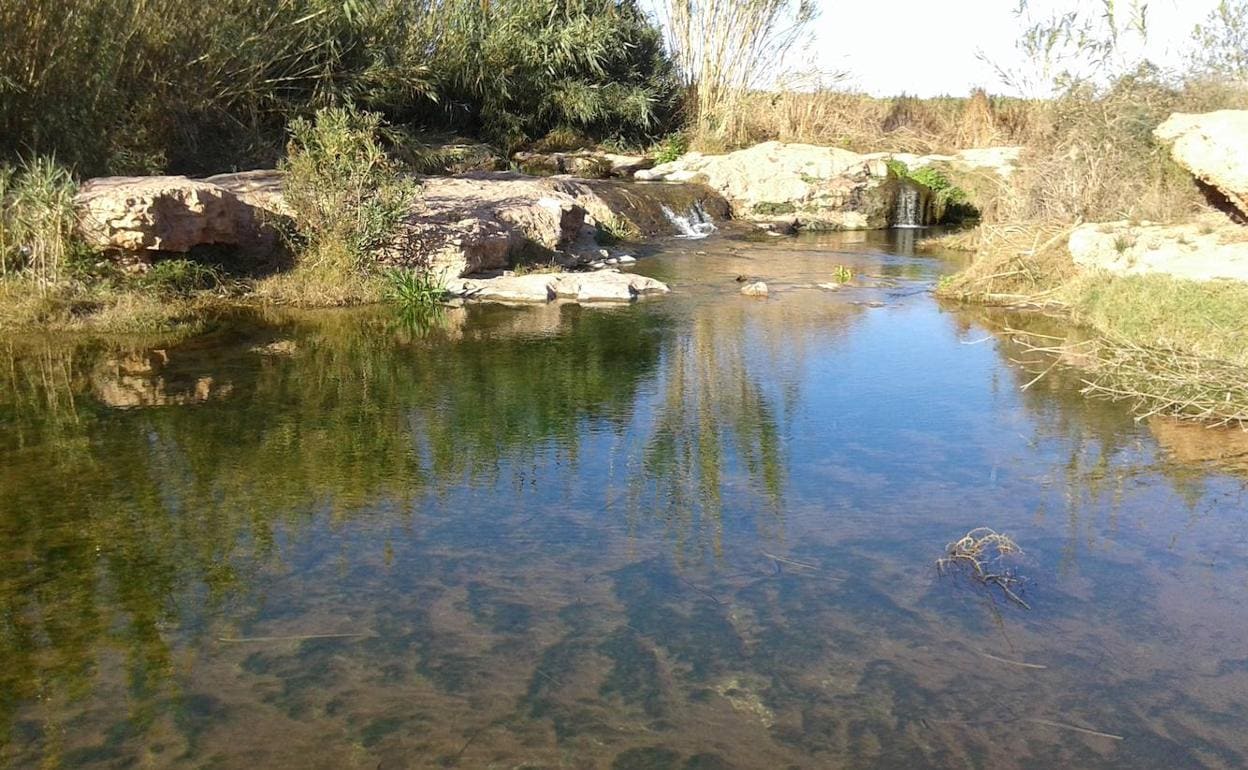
<point x="615" y="229"/>
<point x="1170" y="346"/>
<point x="37" y="222"/>
<point x="411" y="288"/>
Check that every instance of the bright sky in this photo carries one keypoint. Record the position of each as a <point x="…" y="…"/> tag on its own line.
<point x="927" y="48"/>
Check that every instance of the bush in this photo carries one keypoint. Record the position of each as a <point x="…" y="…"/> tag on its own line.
<point x="346" y="195"/>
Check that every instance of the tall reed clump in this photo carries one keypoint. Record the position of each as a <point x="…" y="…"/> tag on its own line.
<point x="37" y="222"/>
<point x="519" y="70"/>
<point x="151" y="85"/>
<point x="346" y="195"/>
<point x="725" y="48"/>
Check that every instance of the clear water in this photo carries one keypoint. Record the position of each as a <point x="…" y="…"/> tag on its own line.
<point x="697" y="532"/>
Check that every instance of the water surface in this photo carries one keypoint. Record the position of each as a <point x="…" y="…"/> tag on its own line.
<point x="696" y="532"/>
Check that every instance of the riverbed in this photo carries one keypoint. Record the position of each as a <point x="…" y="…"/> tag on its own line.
<point x="698" y="531"/>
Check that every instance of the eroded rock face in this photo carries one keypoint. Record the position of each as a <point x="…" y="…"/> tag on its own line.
<point x="598" y="286"/>
<point x="163" y="213"/>
<point x="1214" y="147"/>
<point x="1212" y="248"/>
<point x="814" y="187"/>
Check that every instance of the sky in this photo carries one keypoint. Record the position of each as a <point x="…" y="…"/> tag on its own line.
<point x="927" y="48"/>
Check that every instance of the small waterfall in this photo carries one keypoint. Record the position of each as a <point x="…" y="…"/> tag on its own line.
<point x="695" y="223"/>
<point x="909" y="209"/>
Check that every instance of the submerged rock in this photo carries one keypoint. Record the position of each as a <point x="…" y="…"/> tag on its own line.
<point x="1214" y="148"/>
<point x="1210" y="249"/>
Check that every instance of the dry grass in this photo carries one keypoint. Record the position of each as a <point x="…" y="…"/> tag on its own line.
<point x="1016" y="265"/>
<point x="101" y="309"/>
<point x="868" y="124"/>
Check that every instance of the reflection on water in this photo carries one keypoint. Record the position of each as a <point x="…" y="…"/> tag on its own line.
<point x="696" y="532"/>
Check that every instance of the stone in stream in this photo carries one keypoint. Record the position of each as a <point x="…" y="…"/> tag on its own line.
<point x="598" y="286"/>
<point x="756" y="289"/>
<point x="783" y="187"/>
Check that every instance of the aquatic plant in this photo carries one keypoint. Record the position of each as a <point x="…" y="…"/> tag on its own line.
<point x="409" y="288"/>
<point x="842" y="273"/>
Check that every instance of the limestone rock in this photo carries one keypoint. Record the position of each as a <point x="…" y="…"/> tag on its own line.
<point x="1214" y="148"/>
<point x="1001" y="161"/>
<point x="588" y="164"/>
<point x="1210" y="249"/>
<point x="823" y="188"/>
<point x="163" y="213"/>
<point x="756" y="289"/>
<point x="601" y="286"/>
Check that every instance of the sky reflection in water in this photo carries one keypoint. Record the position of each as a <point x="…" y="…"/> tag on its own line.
<point x="696" y="532"/>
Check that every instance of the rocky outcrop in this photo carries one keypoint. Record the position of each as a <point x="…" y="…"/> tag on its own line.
<point x="166" y="214"/>
<point x="1214" y="148"/>
<point x="588" y="164"/>
<point x="1212" y="248"/>
<point x="599" y="286"/>
<point x="482" y="222"/>
<point x="458" y="225"/>
<point x="821" y="188"/>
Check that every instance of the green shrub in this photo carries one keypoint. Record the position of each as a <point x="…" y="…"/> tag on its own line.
<point x="347" y="196"/>
<point x="152" y="85"/>
<point x="180" y="277"/>
<point x="671" y="148"/>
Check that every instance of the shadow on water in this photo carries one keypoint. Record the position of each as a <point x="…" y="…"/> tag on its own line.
<point x="690" y="533"/>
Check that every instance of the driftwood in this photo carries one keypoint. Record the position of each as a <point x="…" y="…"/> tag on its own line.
<point x="979" y="554"/>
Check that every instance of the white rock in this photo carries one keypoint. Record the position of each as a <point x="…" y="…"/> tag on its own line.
<point x="756" y="289"/>
<point x="1211" y="249"/>
<point x="1214" y="147"/>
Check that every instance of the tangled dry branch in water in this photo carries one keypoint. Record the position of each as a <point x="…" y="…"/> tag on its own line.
<point x="979" y="555"/>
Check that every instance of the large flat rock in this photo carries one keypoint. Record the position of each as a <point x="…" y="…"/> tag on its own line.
<point x="1208" y="250"/>
<point x="590" y="287"/>
<point x="164" y="213"/>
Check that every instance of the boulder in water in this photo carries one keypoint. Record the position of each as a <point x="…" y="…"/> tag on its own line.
<point x="599" y="286"/>
<point x="756" y="289"/>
